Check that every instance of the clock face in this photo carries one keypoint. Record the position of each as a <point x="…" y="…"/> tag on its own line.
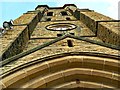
<point x="61" y="27"/>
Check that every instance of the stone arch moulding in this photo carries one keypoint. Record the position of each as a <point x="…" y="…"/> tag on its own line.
<point x="98" y="71"/>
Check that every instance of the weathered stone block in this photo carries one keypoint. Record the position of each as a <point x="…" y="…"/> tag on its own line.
<point x="109" y="32"/>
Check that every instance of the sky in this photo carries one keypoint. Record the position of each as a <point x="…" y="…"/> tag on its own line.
<point x="12" y="9"/>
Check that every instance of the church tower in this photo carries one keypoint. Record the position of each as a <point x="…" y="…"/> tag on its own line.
<point x="61" y="47"/>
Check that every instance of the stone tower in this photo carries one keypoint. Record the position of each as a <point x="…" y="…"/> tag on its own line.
<point x="61" y="47"/>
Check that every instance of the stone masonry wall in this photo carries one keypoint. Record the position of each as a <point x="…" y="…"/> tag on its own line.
<point x="17" y="44"/>
<point x="77" y="15"/>
<point x="108" y="32"/>
<point x="32" y="25"/>
<point x="90" y="18"/>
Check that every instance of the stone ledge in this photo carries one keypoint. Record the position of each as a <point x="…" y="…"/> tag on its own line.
<point x="109" y="32"/>
<point x="13" y="41"/>
<point x="17" y="38"/>
<point x="90" y="18"/>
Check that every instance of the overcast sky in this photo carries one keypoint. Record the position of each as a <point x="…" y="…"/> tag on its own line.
<point x="12" y="9"/>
